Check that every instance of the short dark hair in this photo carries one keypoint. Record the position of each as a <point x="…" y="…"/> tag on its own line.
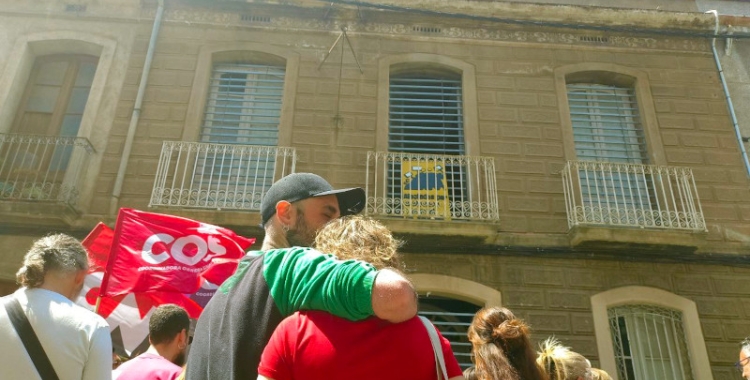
<point x="166" y="322"/>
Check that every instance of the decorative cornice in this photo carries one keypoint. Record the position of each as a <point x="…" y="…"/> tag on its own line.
<point x="231" y="19"/>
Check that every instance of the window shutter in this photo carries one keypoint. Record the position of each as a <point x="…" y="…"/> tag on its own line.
<point x="606" y="124"/>
<point x="244" y="105"/>
<point x="426" y="115"/>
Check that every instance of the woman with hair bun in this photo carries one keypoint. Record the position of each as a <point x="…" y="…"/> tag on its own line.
<point x="561" y="363"/>
<point x="501" y="347"/>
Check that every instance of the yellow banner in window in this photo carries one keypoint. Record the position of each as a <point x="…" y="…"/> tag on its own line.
<point x="424" y="189"/>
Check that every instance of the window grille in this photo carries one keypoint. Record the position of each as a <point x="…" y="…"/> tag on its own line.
<point x="426" y="117"/>
<point x="649" y="343"/>
<point x="453" y="318"/>
<point x="607" y="128"/>
<point x="243" y="107"/>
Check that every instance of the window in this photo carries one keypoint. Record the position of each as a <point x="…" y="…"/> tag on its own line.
<point x="607" y="129"/>
<point x="426" y="120"/>
<point x="606" y="124"/>
<point x="450" y="303"/>
<point x="243" y="108"/>
<point x="244" y="105"/>
<point x="649" y="343"/>
<point x="53" y="106"/>
<point x="453" y="318"/>
<point x="35" y="156"/>
<point x="649" y="333"/>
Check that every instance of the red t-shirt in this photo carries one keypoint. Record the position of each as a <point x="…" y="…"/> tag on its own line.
<point x="314" y="345"/>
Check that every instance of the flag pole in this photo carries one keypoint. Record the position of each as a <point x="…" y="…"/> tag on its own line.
<point x="98" y="303"/>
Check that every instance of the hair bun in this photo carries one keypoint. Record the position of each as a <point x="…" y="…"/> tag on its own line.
<point x="511" y="334"/>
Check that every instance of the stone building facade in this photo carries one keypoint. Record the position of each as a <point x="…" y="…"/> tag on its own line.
<point x="577" y="164"/>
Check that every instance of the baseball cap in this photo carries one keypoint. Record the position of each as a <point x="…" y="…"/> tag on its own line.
<point x="298" y="186"/>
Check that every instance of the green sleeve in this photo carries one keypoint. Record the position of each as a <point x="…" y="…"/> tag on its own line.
<point x="303" y="278"/>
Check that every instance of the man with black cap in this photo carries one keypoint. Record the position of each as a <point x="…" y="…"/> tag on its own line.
<point x="271" y="284"/>
<point x="297" y="206"/>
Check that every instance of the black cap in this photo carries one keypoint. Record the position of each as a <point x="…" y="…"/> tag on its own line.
<point x="298" y="186"/>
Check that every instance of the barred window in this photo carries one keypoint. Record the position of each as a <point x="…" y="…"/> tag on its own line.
<point x="649" y="343"/>
<point x="607" y="129"/>
<point x="453" y="318"/>
<point x="426" y="120"/>
<point x="243" y="108"/>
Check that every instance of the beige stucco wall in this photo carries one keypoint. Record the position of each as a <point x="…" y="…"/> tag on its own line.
<point x="554" y="295"/>
<point x="512" y="101"/>
<point x="515" y="118"/>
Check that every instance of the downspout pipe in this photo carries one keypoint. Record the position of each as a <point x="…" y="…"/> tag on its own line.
<point x="732" y="114"/>
<point x="114" y="202"/>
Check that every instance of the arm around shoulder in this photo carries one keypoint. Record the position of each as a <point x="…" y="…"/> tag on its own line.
<point x="393" y="297"/>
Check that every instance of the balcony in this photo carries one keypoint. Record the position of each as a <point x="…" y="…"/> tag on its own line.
<point x="218" y="176"/>
<point x="44" y="169"/>
<point x="425" y="186"/>
<point x="631" y="195"/>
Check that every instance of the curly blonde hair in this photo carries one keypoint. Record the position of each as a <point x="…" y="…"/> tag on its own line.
<point x="358" y="237"/>
<point x="561" y="363"/>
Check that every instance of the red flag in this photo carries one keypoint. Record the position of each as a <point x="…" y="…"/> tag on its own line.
<point x="97" y="244"/>
<point x="157" y="252"/>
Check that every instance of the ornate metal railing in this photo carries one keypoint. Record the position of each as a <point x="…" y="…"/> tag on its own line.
<point x="426" y="186"/>
<point x="218" y="176"/>
<point x="631" y="195"/>
<point x="42" y="168"/>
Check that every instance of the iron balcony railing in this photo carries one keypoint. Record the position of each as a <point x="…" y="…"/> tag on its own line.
<point x="427" y="186"/>
<point x="631" y="195"/>
<point x="218" y="176"/>
<point x="42" y="168"/>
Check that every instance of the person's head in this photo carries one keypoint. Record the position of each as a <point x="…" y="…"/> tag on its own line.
<point x="743" y="365"/>
<point x="55" y="262"/>
<point x="470" y="374"/>
<point x="560" y="363"/>
<point x="358" y="237"/>
<point x="501" y="347"/>
<point x="168" y="332"/>
<point x="599" y="374"/>
<point x="300" y="204"/>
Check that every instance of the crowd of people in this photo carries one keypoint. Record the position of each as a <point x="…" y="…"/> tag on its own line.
<point x="324" y="298"/>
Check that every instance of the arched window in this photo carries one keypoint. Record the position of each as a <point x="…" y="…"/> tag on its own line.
<point x="616" y="173"/>
<point x="648" y="333"/>
<point x="237" y="130"/>
<point x="452" y="317"/>
<point x="52" y="112"/>
<point x="426" y="122"/>
<point x="450" y="303"/>
<point x="649" y="342"/>
<point x="243" y="107"/>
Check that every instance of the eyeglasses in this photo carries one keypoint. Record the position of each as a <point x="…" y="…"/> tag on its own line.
<point x="740" y="365"/>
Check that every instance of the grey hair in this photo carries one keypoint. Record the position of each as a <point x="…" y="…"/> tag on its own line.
<point x="745" y="346"/>
<point x="58" y="253"/>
